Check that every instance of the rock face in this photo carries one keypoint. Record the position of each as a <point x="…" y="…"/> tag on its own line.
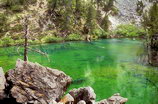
<point x="33" y="83"/>
<point x="2" y="84"/>
<point x="86" y="94"/>
<point x="127" y="12"/>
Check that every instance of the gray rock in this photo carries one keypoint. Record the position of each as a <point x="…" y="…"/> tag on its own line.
<point x="35" y="83"/>
<point x="2" y="84"/>
<point x="87" y="94"/>
<point x="115" y="99"/>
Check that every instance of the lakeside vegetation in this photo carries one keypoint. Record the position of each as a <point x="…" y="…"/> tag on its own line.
<point x="126" y="31"/>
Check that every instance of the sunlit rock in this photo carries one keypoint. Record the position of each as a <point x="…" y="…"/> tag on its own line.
<point x="67" y="99"/>
<point x="34" y="83"/>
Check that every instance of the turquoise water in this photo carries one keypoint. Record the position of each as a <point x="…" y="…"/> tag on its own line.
<point x="109" y="66"/>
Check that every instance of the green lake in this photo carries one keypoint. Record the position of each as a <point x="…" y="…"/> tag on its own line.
<point x="108" y="66"/>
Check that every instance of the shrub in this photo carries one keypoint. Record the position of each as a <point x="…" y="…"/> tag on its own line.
<point x="51" y="38"/>
<point x="129" y="30"/>
<point x="74" y="37"/>
<point x="7" y="41"/>
<point x="33" y="42"/>
<point x="19" y="42"/>
<point x="100" y="33"/>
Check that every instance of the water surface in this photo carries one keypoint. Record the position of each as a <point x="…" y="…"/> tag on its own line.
<point x="109" y="66"/>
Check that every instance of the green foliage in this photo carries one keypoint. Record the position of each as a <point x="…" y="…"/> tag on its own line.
<point x="100" y="33"/>
<point x="51" y="38"/>
<point x="6" y="41"/>
<point x="150" y="19"/>
<point x="105" y="23"/>
<point x="74" y="37"/>
<point x="91" y="18"/>
<point x="129" y="30"/>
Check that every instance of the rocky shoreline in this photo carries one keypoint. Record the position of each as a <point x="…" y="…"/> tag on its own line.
<point x="31" y="83"/>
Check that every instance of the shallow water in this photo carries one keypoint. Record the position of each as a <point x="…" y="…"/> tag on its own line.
<point x="109" y="66"/>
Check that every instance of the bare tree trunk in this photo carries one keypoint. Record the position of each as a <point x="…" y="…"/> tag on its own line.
<point x="26" y="30"/>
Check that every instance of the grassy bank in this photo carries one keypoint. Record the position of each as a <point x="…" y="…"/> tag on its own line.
<point x="122" y="31"/>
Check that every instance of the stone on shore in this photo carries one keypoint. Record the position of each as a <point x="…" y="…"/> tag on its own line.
<point x="67" y="99"/>
<point x="86" y="94"/>
<point x="33" y="83"/>
<point x="2" y="84"/>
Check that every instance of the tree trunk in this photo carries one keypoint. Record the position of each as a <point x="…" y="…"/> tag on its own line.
<point x="153" y="50"/>
<point x="26" y="30"/>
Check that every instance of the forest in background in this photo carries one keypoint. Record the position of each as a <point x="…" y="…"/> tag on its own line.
<point x="69" y="20"/>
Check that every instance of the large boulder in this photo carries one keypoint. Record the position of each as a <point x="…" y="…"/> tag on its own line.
<point x="33" y="83"/>
<point x="85" y="94"/>
<point x="2" y="84"/>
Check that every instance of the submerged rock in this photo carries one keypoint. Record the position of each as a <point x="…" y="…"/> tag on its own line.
<point x="33" y="83"/>
<point x="115" y="99"/>
<point x="86" y="94"/>
<point x="2" y="84"/>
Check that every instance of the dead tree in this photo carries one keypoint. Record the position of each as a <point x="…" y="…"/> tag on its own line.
<point x="26" y="37"/>
<point x="26" y="32"/>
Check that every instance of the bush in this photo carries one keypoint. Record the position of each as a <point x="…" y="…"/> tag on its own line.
<point x="74" y="37"/>
<point x="19" y="42"/>
<point x="33" y="42"/>
<point x="51" y="39"/>
<point x="100" y="33"/>
<point x="129" y="30"/>
<point x="7" y="41"/>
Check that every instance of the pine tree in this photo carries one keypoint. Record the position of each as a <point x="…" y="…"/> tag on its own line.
<point x="91" y="18"/>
